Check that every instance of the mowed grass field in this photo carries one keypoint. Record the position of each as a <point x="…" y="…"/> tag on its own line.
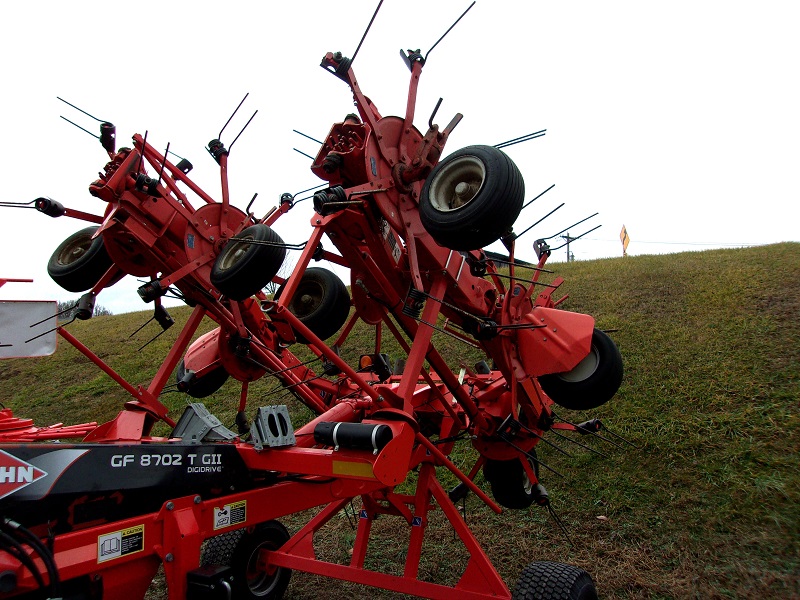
<point x="707" y="503"/>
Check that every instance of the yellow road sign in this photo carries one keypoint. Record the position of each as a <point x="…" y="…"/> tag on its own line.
<point x="623" y="237"/>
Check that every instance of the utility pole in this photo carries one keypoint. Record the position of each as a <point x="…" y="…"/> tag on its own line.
<point x="570" y="256"/>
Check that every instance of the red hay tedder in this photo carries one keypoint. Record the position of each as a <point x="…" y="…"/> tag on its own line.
<point x="96" y="518"/>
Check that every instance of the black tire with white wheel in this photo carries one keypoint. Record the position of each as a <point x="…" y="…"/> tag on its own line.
<point x="543" y="580"/>
<point x="511" y="486"/>
<point x="321" y="302"/>
<point x="79" y="261"/>
<point x="471" y="198"/>
<point x="593" y="382"/>
<point x="249" y="262"/>
<point x="240" y="550"/>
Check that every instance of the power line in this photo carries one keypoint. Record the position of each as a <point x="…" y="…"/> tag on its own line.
<point x="743" y="244"/>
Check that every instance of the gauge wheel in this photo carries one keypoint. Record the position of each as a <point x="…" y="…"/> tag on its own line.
<point x="511" y="486"/>
<point x="80" y="261"/>
<point x="592" y="382"/>
<point x="249" y="262"/>
<point x="321" y="302"/>
<point x="204" y="385"/>
<point x="471" y="198"/>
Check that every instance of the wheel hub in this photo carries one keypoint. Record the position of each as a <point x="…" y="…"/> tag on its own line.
<point x="71" y="255"/>
<point x="584" y="369"/>
<point x="457" y="185"/>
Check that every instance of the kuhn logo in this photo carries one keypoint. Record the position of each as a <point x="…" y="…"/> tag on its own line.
<point x="15" y="474"/>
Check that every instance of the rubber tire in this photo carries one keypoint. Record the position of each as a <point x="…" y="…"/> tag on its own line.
<point x="321" y="302"/>
<point x="79" y="262"/>
<point x="486" y="216"/>
<point x="239" y="549"/>
<point x="544" y="580"/>
<point x="578" y="390"/>
<point x="242" y="269"/>
<point x="511" y="487"/>
<point x="205" y="385"/>
<point x="219" y="549"/>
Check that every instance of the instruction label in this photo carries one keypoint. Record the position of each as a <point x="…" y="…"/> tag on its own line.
<point x="234" y="513"/>
<point x="120" y="543"/>
<point x="390" y="238"/>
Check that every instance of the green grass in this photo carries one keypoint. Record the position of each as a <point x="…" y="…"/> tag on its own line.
<point x="706" y="506"/>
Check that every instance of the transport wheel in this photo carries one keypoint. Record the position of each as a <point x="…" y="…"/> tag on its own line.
<point x="321" y="302"/>
<point x="243" y="268"/>
<point x="80" y="261"/>
<point x="594" y="380"/>
<point x="471" y="198"/>
<point x="511" y="486"/>
<point x="544" y="580"/>
<point x="204" y="385"/>
<point x="219" y="549"/>
<point x="240" y="551"/>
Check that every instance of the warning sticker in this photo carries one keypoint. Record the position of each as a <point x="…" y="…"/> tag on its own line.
<point x="390" y="238"/>
<point x="120" y="543"/>
<point x="230" y="514"/>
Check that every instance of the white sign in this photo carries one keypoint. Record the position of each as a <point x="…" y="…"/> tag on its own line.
<point x="25" y="328"/>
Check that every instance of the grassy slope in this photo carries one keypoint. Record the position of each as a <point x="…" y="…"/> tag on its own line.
<point x="706" y="507"/>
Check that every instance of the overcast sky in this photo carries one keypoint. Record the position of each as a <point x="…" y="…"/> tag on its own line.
<point x="679" y="119"/>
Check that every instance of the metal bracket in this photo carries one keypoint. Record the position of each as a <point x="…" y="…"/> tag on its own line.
<point x="198" y="425"/>
<point x="272" y="427"/>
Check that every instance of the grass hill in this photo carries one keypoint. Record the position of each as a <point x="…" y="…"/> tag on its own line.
<point x="706" y="506"/>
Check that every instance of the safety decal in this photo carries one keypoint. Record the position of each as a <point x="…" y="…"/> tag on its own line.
<point x="234" y="513"/>
<point x="120" y="543"/>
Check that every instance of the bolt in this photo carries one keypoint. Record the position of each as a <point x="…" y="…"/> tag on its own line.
<point x="169" y="557"/>
<point x="170" y="506"/>
<point x="197" y="500"/>
<point x="318" y="221"/>
<point x="211" y="238"/>
<point x="380" y="398"/>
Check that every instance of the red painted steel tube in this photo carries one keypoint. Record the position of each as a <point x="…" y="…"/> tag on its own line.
<point x="99" y="362"/>
<point x="176" y="351"/>
<point x="446" y="462"/>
